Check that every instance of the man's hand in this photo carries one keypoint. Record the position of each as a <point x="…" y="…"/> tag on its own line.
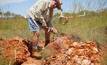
<point x="53" y="30"/>
<point x="45" y="28"/>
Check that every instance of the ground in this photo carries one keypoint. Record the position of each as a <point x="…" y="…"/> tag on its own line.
<point x="60" y="51"/>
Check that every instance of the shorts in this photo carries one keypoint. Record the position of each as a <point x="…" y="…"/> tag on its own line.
<point x="33" y="26"/>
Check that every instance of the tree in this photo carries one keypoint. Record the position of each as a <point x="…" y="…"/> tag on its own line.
<point x="13" y="15"/>
<point x="7" y="14"/>
<point x="0" y="13"/>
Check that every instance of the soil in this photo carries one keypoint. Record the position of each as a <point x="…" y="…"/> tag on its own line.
<point x="65" y="52"/>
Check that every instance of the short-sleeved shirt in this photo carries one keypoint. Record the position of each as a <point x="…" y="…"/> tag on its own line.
<point x="40" y="12"/>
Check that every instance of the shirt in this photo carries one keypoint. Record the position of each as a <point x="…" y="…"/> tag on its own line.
<point x="40" y="12"/>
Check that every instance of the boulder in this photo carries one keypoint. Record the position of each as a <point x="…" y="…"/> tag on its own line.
<point x="15" y="50"/>
<point x="67" y="52"/>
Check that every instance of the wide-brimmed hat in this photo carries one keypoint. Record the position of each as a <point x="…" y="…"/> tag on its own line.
<point x="59" y="4"/>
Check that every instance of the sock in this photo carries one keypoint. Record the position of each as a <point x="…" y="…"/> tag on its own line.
<point x="47" y="39"/>
<point x="34" y="47"/>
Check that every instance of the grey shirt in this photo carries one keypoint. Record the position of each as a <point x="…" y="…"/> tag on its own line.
<point x="40" y="12"/>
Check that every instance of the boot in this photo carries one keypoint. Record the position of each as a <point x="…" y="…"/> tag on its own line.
<point x="47" y="42"/>
<point x="37" y="52"/>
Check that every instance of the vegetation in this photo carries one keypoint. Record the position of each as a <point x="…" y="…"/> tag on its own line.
<point x="88" y="28"/>
<point x="46" y="53"/>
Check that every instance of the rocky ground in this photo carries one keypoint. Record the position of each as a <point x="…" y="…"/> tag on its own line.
<point x="64" y="51"/>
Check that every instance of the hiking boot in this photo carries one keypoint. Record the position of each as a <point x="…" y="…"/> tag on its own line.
<point x="37" y="52"/>
<point x="47" y="42"/>
<point x="39" y="48"/>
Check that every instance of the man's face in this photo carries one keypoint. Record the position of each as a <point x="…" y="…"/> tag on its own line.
<point x="53" y="4"/>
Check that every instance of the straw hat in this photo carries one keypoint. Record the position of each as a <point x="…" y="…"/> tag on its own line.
<point x="59" y="4"/>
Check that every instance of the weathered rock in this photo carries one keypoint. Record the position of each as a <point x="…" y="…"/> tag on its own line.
<point x="72" y="53"/>
<point x="14" y="49"/>
<point x="32" y="61"/>
<point x="65" y="52"/>
<point x="60" y="45"/>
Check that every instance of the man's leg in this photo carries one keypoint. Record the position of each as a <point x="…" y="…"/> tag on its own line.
<point x="35" y="38"/>
<point x="47" y="38"/>
<point x="36" y="33"/>
<point x="35" y="48"/>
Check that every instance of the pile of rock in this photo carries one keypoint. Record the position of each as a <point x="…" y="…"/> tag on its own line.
<point x="72" y="53"/>
<point x="15" y="50"/>
<point x="65" y="52"/>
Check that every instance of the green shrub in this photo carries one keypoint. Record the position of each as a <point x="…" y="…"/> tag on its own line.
<point x="46" y="53"/>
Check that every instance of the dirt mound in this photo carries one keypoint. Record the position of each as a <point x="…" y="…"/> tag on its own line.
<point x="72" y="53"/>
<point x="65" y="52"/>
<point x="32" y="61"/>
<point x="59" y="45"/>
<point x="15" y="49"/>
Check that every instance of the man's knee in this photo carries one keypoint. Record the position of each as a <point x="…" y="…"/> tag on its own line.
<point x="36" y="33"/>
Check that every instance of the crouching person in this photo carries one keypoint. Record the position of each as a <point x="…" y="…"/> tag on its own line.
<point x="39" y="17"/>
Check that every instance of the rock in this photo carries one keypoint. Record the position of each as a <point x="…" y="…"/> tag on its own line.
<point x="69" y="52"/>
<point x="72" y="53"/>
<point x="97" y="60"/>
<point x="15" y="49"/>
<point x="65" y="52"/>
<point x="32" y="61"/>
<point x="60" y="45"/>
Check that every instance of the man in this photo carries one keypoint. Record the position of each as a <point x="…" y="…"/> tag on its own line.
<point x="39" y="16"/>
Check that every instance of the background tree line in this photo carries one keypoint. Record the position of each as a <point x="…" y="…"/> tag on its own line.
<point x="8" y="14"/>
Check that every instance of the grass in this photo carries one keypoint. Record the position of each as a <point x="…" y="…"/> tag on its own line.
<point x="46" y="53"/>
<point x="2" y="59"/>
<point x="14" y="27"/>
<point x="88" y="28"/>
<point x="79" y="29"/>
<point x="105" y="58"/>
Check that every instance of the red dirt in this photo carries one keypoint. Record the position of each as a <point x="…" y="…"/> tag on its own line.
<point x="15" y="49"/>
<point x="66" y="52"/>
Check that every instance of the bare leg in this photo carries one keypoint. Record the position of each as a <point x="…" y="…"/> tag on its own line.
<point x="47" y="38"/>
<point x="35" y="48"/>
<point x="35" y="38"/>
<point x="47" y="35"/>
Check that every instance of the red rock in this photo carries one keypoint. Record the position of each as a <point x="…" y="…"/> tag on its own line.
<point x="32" y="61"/>
<point x="66" y="52"/>
<point x="69" y="53"/>
<point x="15" y="49"/>
<point x="60" y="45"/>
